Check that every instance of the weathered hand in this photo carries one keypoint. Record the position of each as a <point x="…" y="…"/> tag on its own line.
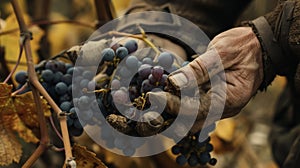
<point x="238" y="51"/>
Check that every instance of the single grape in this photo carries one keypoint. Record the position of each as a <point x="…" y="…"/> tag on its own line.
<point x="61" y="88"/>
<point x="47" y="75"/>
<point x="70" y="121"/>
<point x="77" y="124"/>
<point x="115" y="84"/>
<point x="91" y="85"/>
<point x="181" y="160"/>
<point x="176" y="150"/>
<point x="84" y="83"/>
<point x="163" y="80"/>
<point x="67" y="79"/>
<point x="132" y="62"/>
<point x="73" y="113"/>
<point x="121" y="52"/>
<point x="213" y="161"/>
<point x="120" y="97"/>
<point x="65" y="106"/>
<point x="209" y="147"/>
<point x="83" y="102"/>
<point x="51" y="65"/>
<point x="70" y="71"/>
<point x="146" y="86"/>
<point x="88" y="75"/>
<point x="108" y="54"/>
<point x="152" y="80"/>
<point x="131" y="46"/>
<point x="57" y="77"/>
<point x="157" y="72"/>
<point x="61" y="66"/>
<point x="193" y="160"/>
<point x="147" y="60"/>
<point x="204" y="158"/>
<point x="21" y="77"/>
<point x="144" y="71"/>
<point x="165" y="59"/>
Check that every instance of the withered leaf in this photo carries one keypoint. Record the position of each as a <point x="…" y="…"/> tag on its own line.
<point x="10" y="148"/>
<point x="26" y="109"/>
<point x="85" y="158"/>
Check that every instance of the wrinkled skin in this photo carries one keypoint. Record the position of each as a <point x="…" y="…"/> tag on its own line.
<point x="241" y="56"/>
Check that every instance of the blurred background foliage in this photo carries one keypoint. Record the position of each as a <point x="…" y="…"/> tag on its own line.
<point x="241" y="141"/>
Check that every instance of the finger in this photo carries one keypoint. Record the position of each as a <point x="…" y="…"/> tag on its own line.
<point x="197" y="72"/>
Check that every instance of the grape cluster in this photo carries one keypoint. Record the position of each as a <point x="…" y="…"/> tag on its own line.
<point x="194" y="151"/>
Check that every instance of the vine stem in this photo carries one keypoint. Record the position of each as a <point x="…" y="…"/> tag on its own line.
<point x="36" y="90"/>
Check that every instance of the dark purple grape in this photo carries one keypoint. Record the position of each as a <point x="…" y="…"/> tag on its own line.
<point x="57" y="77"/>
<point x="83" y="102"/>
<point x="157" y="72"/>
<point x="152" y="80"/>
<point x="61" y="88"/>
<point x="88" y="75"/>
<point x="47" y="75"/>
<point x="69" y="121"/>
<point x="61" y="66"/>
<point x="115" y="84"/>
<point x="204" y="158"/>
<point x="176" y="150"/>
<point x="193" y="160"/>
<point x="51" y="65"/>
<point x="68" y="66"/>
<point x="181" y="160"/>
<point x="147" y="60"/>
<point x="131" y="46"/>
<point x="163" y="80"/>
<point x="120" y="97"/>
<point x="84" y="83"/>
<point x="65" y="106"/>
<point x="144" y="71"/>
<point x="213" y="161"/>
<point x="91" y="85"/>
<point x="121" y="52"/>
<point x="70" y="71"/>
<point x="77" y="124"/>
<point x="132" y="62"/>
<point x="146" y="86"/>
<point x="75" y="131"/>
<point x="67" y="79"/>
<point x="21" y="77"/>
<point x="65" y="97"/>
<point x="165" y="59"/>
<point x="108" y="54"/>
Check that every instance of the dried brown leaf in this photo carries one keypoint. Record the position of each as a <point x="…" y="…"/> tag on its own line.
<point x="26" y="109"/>
<point x="85" y="158"/>
<point x="10" y="148"/>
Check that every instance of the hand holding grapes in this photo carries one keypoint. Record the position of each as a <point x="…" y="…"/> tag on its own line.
<point x="240" y="54"/>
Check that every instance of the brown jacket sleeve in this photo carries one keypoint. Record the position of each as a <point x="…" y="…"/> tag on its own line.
<point x="279" y="34"/>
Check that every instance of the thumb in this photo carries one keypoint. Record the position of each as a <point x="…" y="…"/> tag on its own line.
<point x="197" y="72"/>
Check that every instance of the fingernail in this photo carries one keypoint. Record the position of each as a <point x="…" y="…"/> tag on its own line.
<point x="179" y="79"/>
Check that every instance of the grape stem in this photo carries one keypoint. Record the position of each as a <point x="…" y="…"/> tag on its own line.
<point x="18" y="61"/>
<point x="37" y="88"/>
<point x="142" y="37"/>
<point x="19" y="90"/>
